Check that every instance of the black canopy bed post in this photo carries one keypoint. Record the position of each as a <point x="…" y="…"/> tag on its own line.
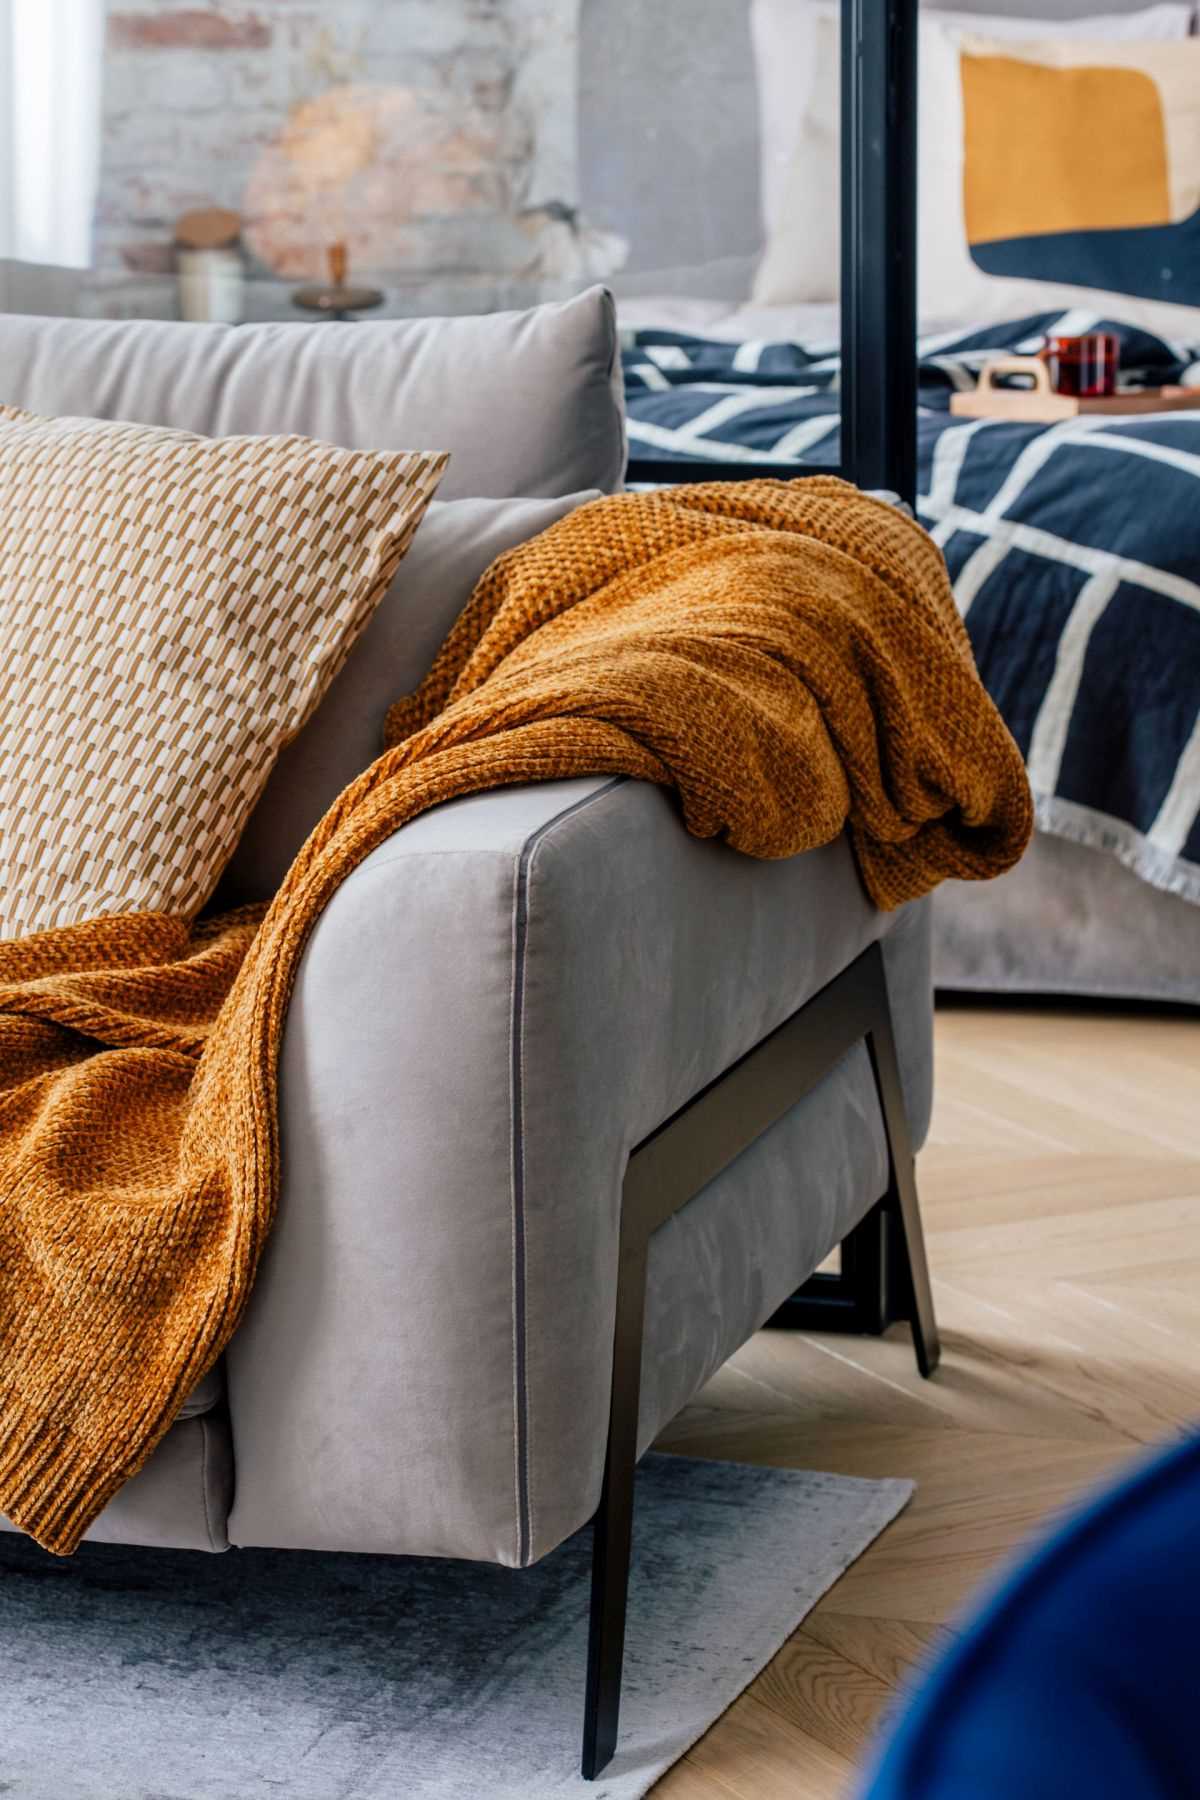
<point x="872" y="1287"/>
<point x="879" y="266"/>
<point x="879" y="244"/>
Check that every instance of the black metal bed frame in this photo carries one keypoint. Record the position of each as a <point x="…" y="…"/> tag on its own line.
<point x="883" y="1275"/>
<point x="879" y="256"/>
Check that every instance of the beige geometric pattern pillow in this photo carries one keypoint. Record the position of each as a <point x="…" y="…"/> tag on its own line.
<point x="172" y="608"/>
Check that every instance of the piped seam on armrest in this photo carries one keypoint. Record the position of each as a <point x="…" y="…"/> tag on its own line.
<point x="517" y="1167"/>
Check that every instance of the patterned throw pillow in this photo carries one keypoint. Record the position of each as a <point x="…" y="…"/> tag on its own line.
<point x="1062" y="173"/>
<point x="1081" y="164"/>
<point x="171" y="610"/>
<point x="797" y="46"/>
<point x="1042" y="160"/>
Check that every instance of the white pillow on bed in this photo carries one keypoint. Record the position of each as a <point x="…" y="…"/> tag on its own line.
<point x="797" y="46"/>
<point x="952" y="284"/>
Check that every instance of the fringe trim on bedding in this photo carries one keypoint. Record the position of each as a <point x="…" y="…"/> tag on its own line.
<point x="1093" y="830"/>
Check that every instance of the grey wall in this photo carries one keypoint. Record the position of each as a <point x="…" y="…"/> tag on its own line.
<point x="668" y="130"/>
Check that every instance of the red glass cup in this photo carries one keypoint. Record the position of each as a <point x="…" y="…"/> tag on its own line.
<point x="1083" y="366"/>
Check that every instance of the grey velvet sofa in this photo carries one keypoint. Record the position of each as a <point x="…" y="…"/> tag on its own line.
<point x="427" y="1363"/>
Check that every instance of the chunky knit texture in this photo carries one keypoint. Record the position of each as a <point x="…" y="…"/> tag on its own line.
<point x="786" y="656"/>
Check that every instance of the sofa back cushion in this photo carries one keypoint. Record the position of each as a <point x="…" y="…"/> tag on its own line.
<point x="456" y="542"/>
<point x="527" y="403"/>
<point x="172" y="608"/>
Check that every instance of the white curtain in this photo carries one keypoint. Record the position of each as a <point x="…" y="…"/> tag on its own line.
<point x="51" y="58"/>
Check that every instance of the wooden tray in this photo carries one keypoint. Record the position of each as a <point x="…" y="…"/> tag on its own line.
<point x="1039" y="404"/>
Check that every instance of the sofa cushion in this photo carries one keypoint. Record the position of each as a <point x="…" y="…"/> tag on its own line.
<point x="181" y="1499"/>
<point x="527" y="403"/>
<point x="206" y="1394"/>
<point x="172" y="608"/>
<point x="456" y="542"/>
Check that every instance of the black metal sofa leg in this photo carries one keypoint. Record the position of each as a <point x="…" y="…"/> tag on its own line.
<point x="884" y="1275"/>
<point x="905" y="1256"/>
<point x="612" y="1529"/>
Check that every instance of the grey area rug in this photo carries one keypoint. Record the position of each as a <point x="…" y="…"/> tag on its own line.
<point x="281" y="1675"/>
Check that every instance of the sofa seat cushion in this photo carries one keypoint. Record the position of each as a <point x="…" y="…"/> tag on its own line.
<point x="526" y="402"/>
<point x="182" y="1497"/>
<point x="206" y="1394"/>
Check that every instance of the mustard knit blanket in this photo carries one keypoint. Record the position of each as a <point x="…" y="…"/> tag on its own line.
<point x="785" y="656"/>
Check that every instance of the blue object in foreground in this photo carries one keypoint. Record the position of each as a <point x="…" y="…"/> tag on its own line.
<point x="1081" y="1676"/>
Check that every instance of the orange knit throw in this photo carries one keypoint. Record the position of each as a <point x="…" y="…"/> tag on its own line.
<point x="786" y="656"/>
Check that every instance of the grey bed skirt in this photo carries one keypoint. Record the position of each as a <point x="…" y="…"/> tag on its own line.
<point x="1067" y="920"/>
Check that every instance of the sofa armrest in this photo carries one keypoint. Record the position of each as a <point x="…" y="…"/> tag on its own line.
<point x="495" y="1008"/>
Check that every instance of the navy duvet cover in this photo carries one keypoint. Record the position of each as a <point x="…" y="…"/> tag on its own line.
<point x="1074" y="549"/>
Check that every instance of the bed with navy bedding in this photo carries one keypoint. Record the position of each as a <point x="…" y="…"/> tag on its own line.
<point x="1075" y="555"/>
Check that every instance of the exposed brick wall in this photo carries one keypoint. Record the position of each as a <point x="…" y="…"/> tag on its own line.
<point x="460" y="113"/>
<point x="188" y="28"/>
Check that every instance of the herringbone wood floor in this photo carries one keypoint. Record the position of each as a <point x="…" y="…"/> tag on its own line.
<point x="1061" y="1195"/>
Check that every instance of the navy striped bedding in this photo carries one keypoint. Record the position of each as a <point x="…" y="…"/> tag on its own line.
<point x="1074" y="550"/>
